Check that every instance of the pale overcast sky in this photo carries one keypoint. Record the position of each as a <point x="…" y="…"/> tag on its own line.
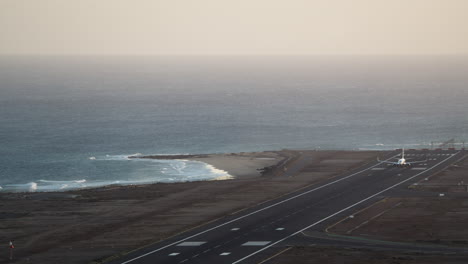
<point x="233" y="27"/>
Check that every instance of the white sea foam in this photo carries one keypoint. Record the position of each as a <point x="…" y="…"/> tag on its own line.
<point x="92" y="158"/>
<point x="63" y="182"/>
<point x="179" y="166"/>
<point x="32" y="186"/>
<point x="171" y="154"/>
<point x="27" y="187"/>
<point x="114" y="157"/>
<point x="220" y="174"/>
<point x="145" y="171"/>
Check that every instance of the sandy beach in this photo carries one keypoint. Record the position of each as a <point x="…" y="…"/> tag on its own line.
<point x="94" y="225"/>
<point x="238" y="165"/>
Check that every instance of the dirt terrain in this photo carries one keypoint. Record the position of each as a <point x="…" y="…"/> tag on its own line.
<point x="91" y="225"/>
<point x="320" y="255"/>
<point x="434" y="211"/>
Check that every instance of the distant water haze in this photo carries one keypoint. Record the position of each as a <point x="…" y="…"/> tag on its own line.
<point x="70" y="122"/>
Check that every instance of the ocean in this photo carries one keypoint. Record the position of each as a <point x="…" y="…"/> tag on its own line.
<point x="70" y="122"/>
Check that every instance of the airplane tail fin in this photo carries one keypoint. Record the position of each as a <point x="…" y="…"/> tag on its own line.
<point x="403" y="153"/>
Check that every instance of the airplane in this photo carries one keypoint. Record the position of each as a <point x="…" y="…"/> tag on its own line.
<point x="402" y="161"/>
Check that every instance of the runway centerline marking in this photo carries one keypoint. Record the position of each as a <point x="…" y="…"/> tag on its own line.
<point x="256" y="243"/>
<point x="340" y="211"/>
<point x="260" y="210"/>
<point x="191" y="244"/>
<point x="174" y="254"/>
<point x="225" y="253"/>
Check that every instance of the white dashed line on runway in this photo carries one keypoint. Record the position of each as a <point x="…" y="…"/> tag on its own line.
<point x="256" y="243"/>
<point x="191" y="244"/>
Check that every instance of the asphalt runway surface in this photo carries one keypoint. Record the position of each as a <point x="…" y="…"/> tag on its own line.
<point x="257" y="233"/>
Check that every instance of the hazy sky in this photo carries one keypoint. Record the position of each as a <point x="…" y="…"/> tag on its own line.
<point x="234" y="26"/>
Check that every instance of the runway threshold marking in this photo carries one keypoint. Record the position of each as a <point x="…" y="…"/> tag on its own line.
<point x="342" y="210"/>
<point x="260" y="210"/>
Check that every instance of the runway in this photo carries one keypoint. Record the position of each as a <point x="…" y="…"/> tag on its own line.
<point x="254" y="234"/>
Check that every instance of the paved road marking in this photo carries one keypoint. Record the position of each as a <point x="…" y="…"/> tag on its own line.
<point x="225" y="253"/>
<point x="259" y="210"/>
<point x="191" y="243"/>
<point x="256" y="243"/>
<point x="280" y="229"/>
<point x="174" y="254"/>
<point x="339" y="212"/>
<point x="235" y="229"/>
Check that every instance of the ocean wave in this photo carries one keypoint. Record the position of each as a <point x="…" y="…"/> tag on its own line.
<point x="171" y="154"/>
<point x="150" y="171"/>
<point x="63" y="182"/>
<point x="143" y="171"/>
<point x="179" y="166"/>
<point x="26" y="187"/>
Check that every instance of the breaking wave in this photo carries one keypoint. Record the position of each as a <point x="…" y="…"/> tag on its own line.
<point x="144" y="171"/>
<point x="26" y="187"/>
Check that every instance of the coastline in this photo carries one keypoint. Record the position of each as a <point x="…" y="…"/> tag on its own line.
<point x="223" y="166"/>
<point x="238" y="165"/>
<point x="93" y="225"/>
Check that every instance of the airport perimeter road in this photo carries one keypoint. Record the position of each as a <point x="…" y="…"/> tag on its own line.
<point x="259" y="232"/>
